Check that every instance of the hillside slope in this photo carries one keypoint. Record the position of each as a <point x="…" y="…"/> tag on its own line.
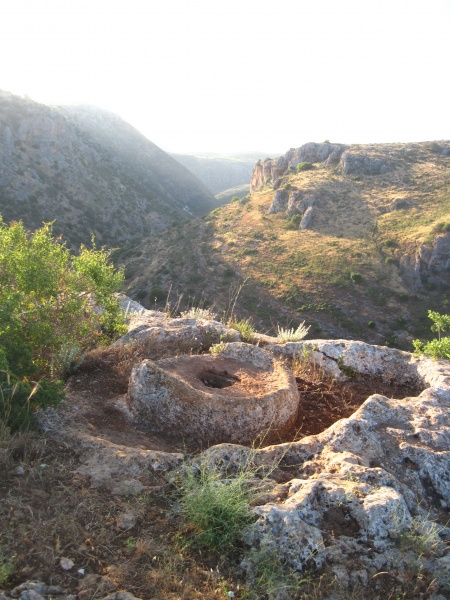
<point x="91" y="172"/>
<point x="358" y="245"/>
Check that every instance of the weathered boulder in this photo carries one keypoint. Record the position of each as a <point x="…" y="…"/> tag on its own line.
<point x="360" y="164"/>
<point x="184" y="332"/>
<point x="236" y="395"/>
<point x="370" y="478"/>
<point x="299" y="203"/>
<point x="313" y="153"/>
<point x="307" y="217"/>
<point x="279" y="203"/>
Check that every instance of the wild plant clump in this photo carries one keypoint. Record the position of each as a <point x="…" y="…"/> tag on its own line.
<point x="438" y="348"/>
<point x="215" y="508"/>
<point x="54" y="307"/>
<point x="292" y="335"/>
<point x="245" y="328"/>
<point x="199" y="313"/>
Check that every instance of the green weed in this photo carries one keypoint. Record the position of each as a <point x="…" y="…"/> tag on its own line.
<point x="245" y="328"/>
<point x="6" y="569"/>
<point x="215" y="509"/>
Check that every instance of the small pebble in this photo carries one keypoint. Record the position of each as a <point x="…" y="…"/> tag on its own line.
<point x="66" y="564"/>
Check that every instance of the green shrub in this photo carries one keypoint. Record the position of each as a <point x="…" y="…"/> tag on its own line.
<point x="228" y="272"/>
<point x="6" y="569"/>
<point x="356" y="277"/>
<point x="157" y="294"/>
<point x="294" y="222"/>
<point x="304" y="166"/>
<point x="442" y="227"/>
<point x="49" y="300"/>
<point x="437" y="348"/>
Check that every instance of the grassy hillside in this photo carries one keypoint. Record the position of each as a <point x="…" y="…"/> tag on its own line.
<point x="350" y="273"/>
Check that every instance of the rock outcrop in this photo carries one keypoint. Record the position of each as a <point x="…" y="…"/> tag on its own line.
<point x="270" y="170"/>
<point x="429" y="266"/>
<point x="354" y="163"/>
<point x="162" y="331"/>
<point x="353" y="160"/>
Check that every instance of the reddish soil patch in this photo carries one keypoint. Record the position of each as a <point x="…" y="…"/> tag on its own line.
<point x="323" y="401"/>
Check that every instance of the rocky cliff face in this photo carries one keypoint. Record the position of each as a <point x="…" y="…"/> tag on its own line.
<point x="91" y="172"/>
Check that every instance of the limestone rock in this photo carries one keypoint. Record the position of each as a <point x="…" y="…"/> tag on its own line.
<point x="313" y="153"/>
<point x="307" y="217"/>
<point x="279" y="203"/>
<point x="299" y="203"/>
<point x="272" y="170"/>
<point x="183" y="332"/>
<point x="360" y="164"/>
<point x="430" y="264"/>
<point x="234" y="396"/>
<point x="367" y="478"/>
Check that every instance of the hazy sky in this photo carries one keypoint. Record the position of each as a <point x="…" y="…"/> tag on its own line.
<point x="232" y="75"/>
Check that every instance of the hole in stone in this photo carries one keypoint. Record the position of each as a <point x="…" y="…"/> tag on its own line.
<point x="217" y="379"/>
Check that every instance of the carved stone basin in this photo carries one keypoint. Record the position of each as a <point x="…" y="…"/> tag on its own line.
<point x="234" y="396"/>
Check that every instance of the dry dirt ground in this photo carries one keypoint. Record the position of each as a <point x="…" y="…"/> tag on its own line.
<point x="48" y="511"/>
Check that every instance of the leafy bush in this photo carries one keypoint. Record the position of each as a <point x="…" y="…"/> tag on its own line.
<point x="157" y="294"/>
<point x="437" y="348"/>
<point x="356" y="277"/>
<point x="304" y="166"/>
<point x="294" y="222"/>
<point x="50" y="300"/>
<point x="6" y="569"/>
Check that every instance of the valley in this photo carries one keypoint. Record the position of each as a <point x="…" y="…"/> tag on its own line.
<point x="372" y="258"/>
